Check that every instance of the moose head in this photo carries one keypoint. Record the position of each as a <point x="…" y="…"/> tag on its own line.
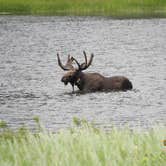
<point x="73" y="74"/>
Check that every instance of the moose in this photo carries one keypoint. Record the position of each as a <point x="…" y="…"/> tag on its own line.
<point x="91" y="82"/>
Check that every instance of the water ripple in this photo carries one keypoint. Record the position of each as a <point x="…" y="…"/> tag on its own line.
<point x="30" y="77"/>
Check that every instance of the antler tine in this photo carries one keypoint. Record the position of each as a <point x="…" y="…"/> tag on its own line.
<point x="79" y="66"/>
<point x="69" y="62"/>
<point x="89" y="62"/>
<point x="60" y="63"/>
<point x="68" y="57"/>
<point x="85" y="57"/>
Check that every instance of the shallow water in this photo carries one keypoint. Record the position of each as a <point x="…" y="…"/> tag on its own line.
<point x="30" y="77"/>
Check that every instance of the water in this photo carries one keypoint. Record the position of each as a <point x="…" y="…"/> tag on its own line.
<point x="30" y="77"/>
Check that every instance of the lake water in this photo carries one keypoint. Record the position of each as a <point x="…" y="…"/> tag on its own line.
<point x="30" y="83"/>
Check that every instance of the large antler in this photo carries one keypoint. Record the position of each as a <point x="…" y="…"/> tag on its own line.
<point x="86" y="64"/>
<point x="68" y="65"/>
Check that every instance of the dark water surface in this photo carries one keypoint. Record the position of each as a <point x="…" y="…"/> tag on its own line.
<point x="30" y="77"/>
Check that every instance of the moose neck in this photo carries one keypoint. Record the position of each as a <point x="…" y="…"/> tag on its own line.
<point x="79" y="81"/>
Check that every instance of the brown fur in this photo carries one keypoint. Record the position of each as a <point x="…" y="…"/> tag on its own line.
<point x="97" y="82"/>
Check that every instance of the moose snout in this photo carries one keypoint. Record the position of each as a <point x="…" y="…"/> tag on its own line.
<point x="64" y="80"/>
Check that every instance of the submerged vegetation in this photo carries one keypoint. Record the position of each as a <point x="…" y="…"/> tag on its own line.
<point x="114" y="8"/>
<point x="82" y="145"/>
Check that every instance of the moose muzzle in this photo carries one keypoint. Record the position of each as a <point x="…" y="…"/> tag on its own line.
<point x="64" y="80"/>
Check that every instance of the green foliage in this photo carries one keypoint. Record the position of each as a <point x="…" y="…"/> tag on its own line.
<point x="114" y="8"/>
<point x="3" y="124"/>
<point x="83" y="146"/>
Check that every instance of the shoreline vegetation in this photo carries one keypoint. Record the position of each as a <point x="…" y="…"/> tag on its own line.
<point x="82" y="145"/>
<point x="112" y="8"/>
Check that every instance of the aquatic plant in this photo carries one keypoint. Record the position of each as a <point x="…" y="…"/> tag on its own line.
<point x="83" y="145"/>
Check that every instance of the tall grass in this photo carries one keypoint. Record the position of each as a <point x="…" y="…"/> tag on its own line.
<point x="114" y="8"/>
<point x="82" y="146"/>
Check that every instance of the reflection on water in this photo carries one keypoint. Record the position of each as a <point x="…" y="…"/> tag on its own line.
<point x="30" y="77"/>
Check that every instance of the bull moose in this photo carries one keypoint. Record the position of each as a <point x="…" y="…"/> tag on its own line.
<point x="91" y="82"/>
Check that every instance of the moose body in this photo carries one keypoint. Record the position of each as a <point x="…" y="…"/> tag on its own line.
<point x="97" y="82"/>
<point x="92" y="81"/>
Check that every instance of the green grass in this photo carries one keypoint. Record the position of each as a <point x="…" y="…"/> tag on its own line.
<point x="114" y="8"/>
<point x="83" y="146"/>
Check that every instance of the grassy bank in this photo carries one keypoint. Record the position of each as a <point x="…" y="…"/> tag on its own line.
<point x="114" y="8"/>
<point x="83" y="146"/>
